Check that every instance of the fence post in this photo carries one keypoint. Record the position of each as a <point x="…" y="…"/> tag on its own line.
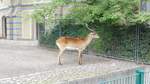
<point x="139" y="76"/>
<point x="102" y="82"/>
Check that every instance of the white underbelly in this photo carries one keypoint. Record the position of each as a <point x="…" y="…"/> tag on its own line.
<point x="71" y="48"/>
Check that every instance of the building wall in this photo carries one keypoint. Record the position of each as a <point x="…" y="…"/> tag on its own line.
<point x="26" y="25"/>
<point x="0" y="26"/>
<point x="20" y="24"/>
<point x="5" y="3"/>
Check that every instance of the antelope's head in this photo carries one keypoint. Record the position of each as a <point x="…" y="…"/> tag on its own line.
<point x="93" y="34"/>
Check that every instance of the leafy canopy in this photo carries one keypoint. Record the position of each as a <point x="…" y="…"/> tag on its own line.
<point x="114" y="12"/>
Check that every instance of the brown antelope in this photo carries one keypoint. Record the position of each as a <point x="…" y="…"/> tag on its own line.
<point x="74" y="43"/>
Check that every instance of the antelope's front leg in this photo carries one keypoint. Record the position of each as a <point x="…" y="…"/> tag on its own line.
<point x="59" y="57"/>
<point x="80" y="57"/>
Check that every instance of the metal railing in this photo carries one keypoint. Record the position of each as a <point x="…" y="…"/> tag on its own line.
<point x="147" y="78"/>
<point x="125" y="80"/>
<point x="140" y="77"/>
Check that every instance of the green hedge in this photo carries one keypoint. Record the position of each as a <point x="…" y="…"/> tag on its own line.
<point x="68" y="29"/>
<point x="116" y="42"/>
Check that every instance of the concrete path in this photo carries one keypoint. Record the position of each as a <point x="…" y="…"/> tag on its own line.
<point x="25" y="57"/>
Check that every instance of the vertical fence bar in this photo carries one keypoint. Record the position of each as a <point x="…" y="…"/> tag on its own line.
<point x="139" y="76"/>
<point x="137" y="44"/>
<point x="102" y="82"/>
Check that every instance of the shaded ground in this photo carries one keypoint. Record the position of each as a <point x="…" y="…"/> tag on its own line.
<point x="25" y="57"/>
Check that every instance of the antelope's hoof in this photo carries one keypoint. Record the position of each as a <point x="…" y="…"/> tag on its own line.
<point x="80" y="63"/>
<point x="59" y="63"/>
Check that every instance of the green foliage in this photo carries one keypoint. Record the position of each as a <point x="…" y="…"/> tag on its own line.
<point x="114" y="12"/>
<point x="145" y="44"/>
<point x="140" y="18"/>
<point x="47" y="11"/>
<point x="48" y="39"/>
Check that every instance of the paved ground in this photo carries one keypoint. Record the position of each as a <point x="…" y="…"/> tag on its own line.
<point x="25" y="57"/>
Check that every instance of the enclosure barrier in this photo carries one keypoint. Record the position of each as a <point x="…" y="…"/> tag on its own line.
<point x="140" y="77"/>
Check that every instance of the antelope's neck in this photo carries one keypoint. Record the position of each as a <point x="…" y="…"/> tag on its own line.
<point x="88" y="40"/>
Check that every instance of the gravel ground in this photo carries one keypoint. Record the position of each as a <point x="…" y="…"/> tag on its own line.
<point x="24" y="61"/>
<point x="68" y="74"/>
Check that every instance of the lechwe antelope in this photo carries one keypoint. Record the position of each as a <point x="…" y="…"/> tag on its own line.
<point x="74" y="43"/>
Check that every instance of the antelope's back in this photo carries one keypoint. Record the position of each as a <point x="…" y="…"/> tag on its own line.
<point x="70" y="40"/>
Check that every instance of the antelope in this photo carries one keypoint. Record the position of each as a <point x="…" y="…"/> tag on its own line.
<point x="74" y="43"/>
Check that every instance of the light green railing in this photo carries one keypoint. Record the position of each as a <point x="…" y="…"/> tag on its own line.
<point x="137" y="78"/>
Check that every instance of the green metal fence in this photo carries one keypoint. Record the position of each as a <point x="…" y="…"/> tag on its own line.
<point x="147" y="78"/>
<point x="139" y="77"/>
<point x="125" y="80"/>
